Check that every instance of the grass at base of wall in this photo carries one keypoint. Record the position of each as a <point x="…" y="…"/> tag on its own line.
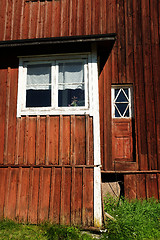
<point x="136" y="219"/>
<point x="133" y="220"/>
<point x="12" y="230"/>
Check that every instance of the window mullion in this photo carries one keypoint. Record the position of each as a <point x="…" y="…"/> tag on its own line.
<point x="56" y="69"/>
<point x="53" y="86"/>
<point x="86" y="85"/>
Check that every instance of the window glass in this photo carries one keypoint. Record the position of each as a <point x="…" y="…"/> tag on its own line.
<point x="38" y="88"/>
<point x="71" y="87"/>
<point x="121" y="101"/>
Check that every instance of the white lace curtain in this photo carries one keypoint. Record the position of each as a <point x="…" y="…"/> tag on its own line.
<point x="71" y="76"/>
<point x="39" y="77"/>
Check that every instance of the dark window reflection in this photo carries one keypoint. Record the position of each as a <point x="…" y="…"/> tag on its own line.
<point x="71" y="98"/>
<point x="38" y="98"/>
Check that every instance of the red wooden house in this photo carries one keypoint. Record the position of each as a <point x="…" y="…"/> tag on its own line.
<point x="79" y="102"/>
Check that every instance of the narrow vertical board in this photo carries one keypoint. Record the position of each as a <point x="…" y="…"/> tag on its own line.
<point x="77" y="210"/>
<point x="53" y="139"/>
<point x="64" y="17"/>
<point x="2" y="19"/>
<point x="121" y="42"/>
<point x="88" y="197"/>
<point x="150" y="108"/>
<point x="130" y="186"/>
<point x="154" y="22"/>
<point x="20" y="140"/>
<point x="80" y="15"/>
<point x="141" y="186"/>
<point x="34" y="15"/>
<point x="12" y="18"/>
<point x="56" y="22"/>
<point x="33" y="195"/>
<point x="42" y="19"/>
<point x="107" y="117"/>
<point x="24" y="195"/>
<point x="25" y="20"/>
<point x="12" y="116"/>
<point x="67" y="197"/>
<point x="80" y="140"/>
<point x="8" y="20"/>
<point x="48" y="19"/>
<point x="65" y="140"/>
<point x="7" y="192"/>
<point x="57" y="196"/>
<point x="3" y="175"/>
<point x="52" y="190"/>
<point x="101" y="114"/>
<point x="140" y="110"/>
<point x="151" y="186"/>
<point x="19" y="189"/>
<point x="72" y="17"/>
<point x="16" y="28"/>
<point x="44" y="194"/>
<point x="156" y="83"/>
<point x="97" y="18"/>
<point x="38" y="20"/>
<point x="31" y="140"/>
<point x="62" y="192"/>
<point x="3" y="80"/>
<point x="40" y="140"/>
<point x="91" y="147"/>
<point x="87" y="128"/>
<point x="7" y="105"/>
<point x="87" y="17"/>
<point x="72" y="151"/>
<point x="128" y="5"/>
<point x="11" y="192"/>
<point x="158" y="180"/>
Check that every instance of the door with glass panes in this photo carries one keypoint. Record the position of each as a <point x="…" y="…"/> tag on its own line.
<point x="122" y="130"/>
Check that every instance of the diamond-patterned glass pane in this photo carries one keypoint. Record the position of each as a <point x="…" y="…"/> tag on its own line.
<point x="126" y="113"/>
<point x="120" y="95"/>
<point x="121" y="107"/>
<point x="121" y="102"/>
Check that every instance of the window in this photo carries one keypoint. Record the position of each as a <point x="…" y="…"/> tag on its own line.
<point x="50" y="84"/>
<point x="122" y="102"/>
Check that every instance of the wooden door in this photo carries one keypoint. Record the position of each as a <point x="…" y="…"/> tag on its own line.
<point x="122" y="113"/>
<point x="122" y="140"/>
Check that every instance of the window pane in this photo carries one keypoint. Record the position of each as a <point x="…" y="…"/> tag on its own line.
<point x="127" y="113"/>
<point x="38" y="76"/>
<point x="71" y="98"/>
<point x="121" y="97"/>
<point x="121" y="107"/>
<point x="38" y="93"/>
<point x="71" y="75"/>
<point x="117" y="113"/>
<point x="126" y="91"/>
<point x="38" y="98"/>
<point x="71" y="88"/>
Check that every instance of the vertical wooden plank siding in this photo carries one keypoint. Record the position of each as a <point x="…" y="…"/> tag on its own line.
<point x="142" y="185"/>
<point x="42" y="140"/>
<point x="3" y="174"/>
<point x="134" y="59"/>
<point x="3" y="86"/>
<point x="62" y="191"/>
<point x="42" y="194"/>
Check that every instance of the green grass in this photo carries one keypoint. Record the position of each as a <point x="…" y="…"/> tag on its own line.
<point x="134" y="219"/>
<point x="13" y="230"/>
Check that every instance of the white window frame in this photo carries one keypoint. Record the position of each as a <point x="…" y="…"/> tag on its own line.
<point x="54" y="60"/>
<point x="130" y="97"/>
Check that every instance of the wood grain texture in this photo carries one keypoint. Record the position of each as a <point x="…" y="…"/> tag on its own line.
<point x="50" y="194"/>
